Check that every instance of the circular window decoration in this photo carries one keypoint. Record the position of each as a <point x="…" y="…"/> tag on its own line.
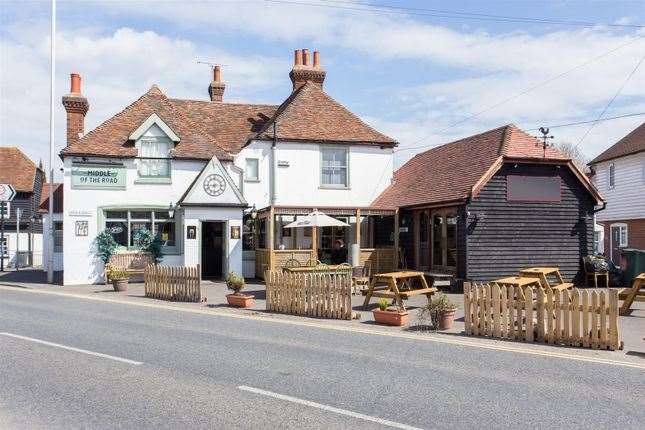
<point x="214" y="185"/>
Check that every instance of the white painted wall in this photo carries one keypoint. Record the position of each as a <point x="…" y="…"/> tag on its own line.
<point x="626" y="200"/>
<point x="370" y="172"/>
<point x="233" y="247"/>
<point x="20" y="243"/>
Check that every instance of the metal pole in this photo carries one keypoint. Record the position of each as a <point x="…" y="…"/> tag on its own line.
<point x="17" y="237"/>
<point x="2" y="208"/>
<point x="50" y="219"/>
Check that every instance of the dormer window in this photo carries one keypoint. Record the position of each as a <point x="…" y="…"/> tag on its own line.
<point x="154" y="157"/>
<point x="154" y="140"/>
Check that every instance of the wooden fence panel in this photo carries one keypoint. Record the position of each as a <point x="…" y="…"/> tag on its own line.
<point x="577" y="318"/>
<point x="173" y="283"/>
<point x="325" y="295"/>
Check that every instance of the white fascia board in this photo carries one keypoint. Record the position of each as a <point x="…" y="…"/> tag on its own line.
<point x="149" y="122"/>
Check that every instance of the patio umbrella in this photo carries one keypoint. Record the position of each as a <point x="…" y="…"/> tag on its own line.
<point x="316" y="219"/>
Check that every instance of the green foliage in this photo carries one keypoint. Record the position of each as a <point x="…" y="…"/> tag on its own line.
<point x="114" y="272"/>
<point x="235" y="282"/>
<point x="437" y="306"/>
<point x="106" y="246"/>
<point x="148" y="242"/>
<point x="383" y="304"/>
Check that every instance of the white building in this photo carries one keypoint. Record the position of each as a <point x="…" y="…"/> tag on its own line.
<point x="619" y="175"/>
<point x="212" y="178"/>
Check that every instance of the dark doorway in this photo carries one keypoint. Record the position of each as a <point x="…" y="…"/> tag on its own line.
<point x="212" y="249"/>
<point x="615" y="244"/>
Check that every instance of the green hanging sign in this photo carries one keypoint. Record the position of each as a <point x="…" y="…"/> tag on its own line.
<point x="98" y="177"/>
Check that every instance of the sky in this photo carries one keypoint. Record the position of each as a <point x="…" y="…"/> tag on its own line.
<point x="422" y="72"/>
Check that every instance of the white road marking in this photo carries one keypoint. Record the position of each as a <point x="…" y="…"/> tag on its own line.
<point x="472" y="342"/>
<point x="71" y="348"/>
<point x="328" y="408"/>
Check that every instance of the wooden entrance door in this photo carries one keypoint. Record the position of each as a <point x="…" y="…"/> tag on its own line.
<point x="444" y="239"/>
<point x="615" y="244"/>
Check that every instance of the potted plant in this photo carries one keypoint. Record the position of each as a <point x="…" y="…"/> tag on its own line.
<point x="389" y="315"/>
<point x="105" y="247"/>
<point x="237" y="299"/>
<point x="441" y="312"/>
<point x="119" y="277"/>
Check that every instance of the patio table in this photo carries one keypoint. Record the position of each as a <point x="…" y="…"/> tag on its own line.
<point x="398" y="287"/>
<point x="633" y="293"/>
<point x="542" y="274"/>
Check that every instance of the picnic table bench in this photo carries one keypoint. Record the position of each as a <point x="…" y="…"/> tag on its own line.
<point x="542" y="273"/>
<point x="633" y="293"/>
<point x="398" y="287"/>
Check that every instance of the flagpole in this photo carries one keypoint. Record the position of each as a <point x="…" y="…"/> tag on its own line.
<point x="50" y="219"/>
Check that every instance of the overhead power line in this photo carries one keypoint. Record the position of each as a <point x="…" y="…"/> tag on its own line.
<point x="521" y="93"/>
<point x="620" y="89"/>
<point x="448" y="14"/>
<point x="571" y="124"/>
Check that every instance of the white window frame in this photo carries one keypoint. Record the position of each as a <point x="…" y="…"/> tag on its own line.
<point x="346" y="186"/>
<point x="623" y="227"/>
<point x="168" y="250"/>
<point x="611" y="175"/>
<point x="141" y="160"/>
<point x="246" y="177"/>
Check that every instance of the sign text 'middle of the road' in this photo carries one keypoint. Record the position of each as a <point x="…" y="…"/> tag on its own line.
<point x="98" y="177"/>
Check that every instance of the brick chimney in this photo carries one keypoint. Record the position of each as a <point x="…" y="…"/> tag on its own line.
<point x="217" y="87"/>
<point x="76" y="106"/>
<point x="303" y="71"/>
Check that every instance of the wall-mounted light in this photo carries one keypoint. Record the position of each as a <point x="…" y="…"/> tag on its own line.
<point x="171" y="210"/>
<point x="254" y="212"/>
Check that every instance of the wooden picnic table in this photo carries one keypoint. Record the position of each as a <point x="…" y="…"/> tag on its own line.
<point x="542" y="273"/>
<point x="518" y="281"/>
<point x="398" y="287"/>
<point x="319" y="268"/>
<point x="633" y="293"/>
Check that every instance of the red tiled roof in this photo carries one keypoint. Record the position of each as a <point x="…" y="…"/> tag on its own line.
<point x="309" y="114"/>
<point x="17" y="169"/>
<point x="449" y="172"/>
<point x="58" y="198"/>
<point x="632" y="143"/>
<point x="228" y="124"/>
<point x="111" y="137"/>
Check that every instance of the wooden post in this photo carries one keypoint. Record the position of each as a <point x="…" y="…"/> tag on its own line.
<point x="357" y="231"/>
<point x="396" y="239"/>
<point x="416" y="238"/>
<point x="270" y="235"/>
<point x="314" y="243"/>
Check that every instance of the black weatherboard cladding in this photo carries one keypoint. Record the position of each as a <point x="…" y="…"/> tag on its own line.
<point x="503" y="237"/>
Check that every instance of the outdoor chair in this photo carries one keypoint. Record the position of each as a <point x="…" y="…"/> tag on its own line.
<point x="361" y="278"/>
<point x="593" y="268"/>
<point x="312" y="263"/>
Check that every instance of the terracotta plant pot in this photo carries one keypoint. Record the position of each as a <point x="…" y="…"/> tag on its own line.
<point x="120" y="284"/>
<point x="446" y="319"/>
<point x="391" y="317"/>
<point x="240" y="300"/>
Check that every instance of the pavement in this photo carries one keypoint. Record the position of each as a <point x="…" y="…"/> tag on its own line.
<point x="87" y="361"/>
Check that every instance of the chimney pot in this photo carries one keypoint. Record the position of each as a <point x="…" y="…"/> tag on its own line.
<point x="297" y="58"/>
<point x="217" y="74"/>
<point x="316" y="59"/>
<point x="75" y="83"/>
<point x="305" y="57"/>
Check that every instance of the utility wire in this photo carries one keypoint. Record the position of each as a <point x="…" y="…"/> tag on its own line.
<point x="570" y="124"/>
<point x="620" y="89"/>
<point x="436" y="13"/>
<point x="521" y="93"/>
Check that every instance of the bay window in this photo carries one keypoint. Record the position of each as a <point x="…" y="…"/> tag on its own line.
<point x="334" y="167"/>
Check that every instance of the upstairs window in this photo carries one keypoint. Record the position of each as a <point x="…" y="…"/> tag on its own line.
<point x="252" y="170"/>
<point x="154" y="157"/>
<point x="334" y="167"/>
<point x="533" y="188"/>
<point x="612" y="175"/>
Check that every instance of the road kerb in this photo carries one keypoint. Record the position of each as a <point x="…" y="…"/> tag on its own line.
<point x="277" y="319"/>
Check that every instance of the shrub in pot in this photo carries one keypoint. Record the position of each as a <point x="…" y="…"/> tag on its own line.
<point x="236" y="283"/>
<point x="441" y="312"/>
<point x="119" y="277"/>
<point x="390" y="316"/>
